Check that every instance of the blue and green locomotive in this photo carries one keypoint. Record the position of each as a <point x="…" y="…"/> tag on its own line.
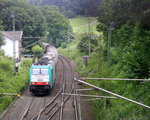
<point x="43" y="73"/>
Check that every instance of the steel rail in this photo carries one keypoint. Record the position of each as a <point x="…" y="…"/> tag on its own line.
<point x="62" y="90"/>
<point x="39" y="113"/>
<point x="74" y="90"/>
<point x="64" y="85"/>
<point x="82" y="78"/>
<point x="83" y="95"/>
<point x="63" y="99"/>
<point x="26" y="111"/>
<point x="91" y="99"/>
<point x="50" y="109"/>
<point x="84" y="89"/>
<point x="48" y="104"/>
<point x="51" y="115"/>
<point x="109" y="92"/>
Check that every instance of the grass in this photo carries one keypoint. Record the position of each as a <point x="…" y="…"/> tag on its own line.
<point x="10" y="83"/>
<point x="80" y="24"/>
<point x="80" y="20"/>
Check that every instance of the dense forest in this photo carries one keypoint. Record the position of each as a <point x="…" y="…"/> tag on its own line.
<point x="79" y="7"/>
<point x="123" y="51"/>
<point x="34" y="21"/>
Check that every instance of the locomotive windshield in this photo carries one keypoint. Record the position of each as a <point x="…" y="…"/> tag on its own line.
<point x="40" y="71"/>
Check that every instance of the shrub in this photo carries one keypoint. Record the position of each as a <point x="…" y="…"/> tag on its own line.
<point x="64" y="45"/>
<point x="70" y="14"/>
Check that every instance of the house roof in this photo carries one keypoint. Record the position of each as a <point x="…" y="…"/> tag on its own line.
<point x="13" y="34"/>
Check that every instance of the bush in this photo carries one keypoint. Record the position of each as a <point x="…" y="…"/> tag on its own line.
<point x="70" y="14"/>
<point x="64" y="45"/>
<point x="10" y="83"/>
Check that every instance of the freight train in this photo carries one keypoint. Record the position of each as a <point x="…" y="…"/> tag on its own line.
<point x="43" y="72"/>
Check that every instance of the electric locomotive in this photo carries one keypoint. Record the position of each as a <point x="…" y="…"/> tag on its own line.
<point x="43" y="72"/>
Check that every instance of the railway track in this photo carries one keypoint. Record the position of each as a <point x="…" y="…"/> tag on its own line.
<point x="60" y="107"/>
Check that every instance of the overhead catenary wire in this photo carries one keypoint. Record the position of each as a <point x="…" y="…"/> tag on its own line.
<point x="109" y="92"/>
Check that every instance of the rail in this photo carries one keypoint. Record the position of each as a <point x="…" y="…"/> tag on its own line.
<point x="109" y="92"/>
<point x="82" y="78"/>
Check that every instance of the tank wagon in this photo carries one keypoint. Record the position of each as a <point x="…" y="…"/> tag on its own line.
<point x="43" y="72"/>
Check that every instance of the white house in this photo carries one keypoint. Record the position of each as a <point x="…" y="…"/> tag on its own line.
<point x="11" y="37"/>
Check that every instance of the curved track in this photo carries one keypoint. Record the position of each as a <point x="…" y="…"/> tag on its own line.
<point x="55" y="106"/>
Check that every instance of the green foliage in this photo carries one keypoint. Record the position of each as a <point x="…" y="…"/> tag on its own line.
<point x="83" y="45"/>
<point x="1" y="39"/>
<point x="34" y="21"/>
<point x="80" y="24"/>
<point x="120" y="11"/>
<point x="27" y="18"/>
<point x="129" y="59"/>
<point x="1" y="26"/>
<point x="64" y="45"/>
<point x="70" y="14"/>
<point x="10" y="83"/>
<point x="80" y="7"/>
<point x="57" y="25"/>
<point x="37" y="51"/>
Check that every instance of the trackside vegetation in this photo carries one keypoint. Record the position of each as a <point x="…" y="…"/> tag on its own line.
<point x="10" y="83"/>
<point x="34" y="21"/>
<point x="128" y="58"/>
<point x="98" y="67"/>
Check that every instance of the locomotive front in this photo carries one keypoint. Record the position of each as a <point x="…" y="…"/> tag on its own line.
<point x="42" y="73"/>
<point x="41" y="79"/>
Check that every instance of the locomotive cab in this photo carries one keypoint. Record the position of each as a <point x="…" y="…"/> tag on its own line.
<point x="41" y="78"/>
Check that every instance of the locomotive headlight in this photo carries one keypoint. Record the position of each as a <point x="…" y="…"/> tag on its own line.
<point x="46" y="83"/>
<point x="33" y="83"/>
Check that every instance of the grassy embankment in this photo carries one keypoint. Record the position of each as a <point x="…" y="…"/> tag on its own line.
<point x="80" y="24"/>
<point x="10" y="83"/>
<point x="97" y="67"/>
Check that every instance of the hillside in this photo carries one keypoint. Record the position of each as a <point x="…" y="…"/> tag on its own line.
<point x="80" y="24"/>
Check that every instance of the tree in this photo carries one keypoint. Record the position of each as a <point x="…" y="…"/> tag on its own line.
<point x="83" y="45"/>
<point x="57" y="25"/>
<point x="70" y="14"/>
<point x="80" y="7"/>
<point x="1" y="26"/>
<point x="1" y="39"/>
<point x="27" y="18"/>
<point x="37" y="51"/>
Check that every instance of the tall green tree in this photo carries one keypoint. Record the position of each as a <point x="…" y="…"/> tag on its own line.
<point x="129" y="53"/>
<point x="57" y="25"/>
<point x="1" y="37"/>
<point x="37" y="51"/>
<point x="29" y="19"/>
<point x="80" y="7"/>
